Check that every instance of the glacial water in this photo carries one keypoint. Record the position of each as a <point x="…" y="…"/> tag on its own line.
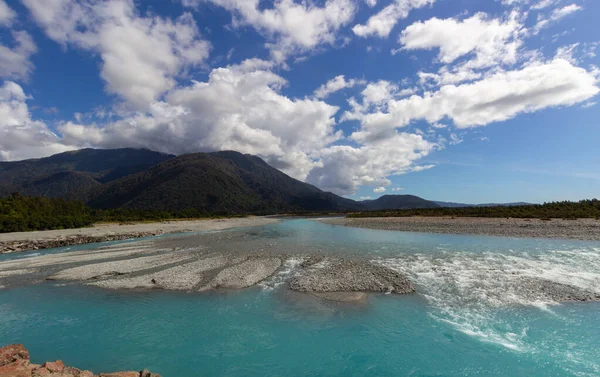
<point x="468" y="318"/>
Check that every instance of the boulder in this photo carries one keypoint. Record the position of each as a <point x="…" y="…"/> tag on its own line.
<point x="147" y="373"/>
<point x="54" y="366"/>
<point x="17" y="368"/>
<point x="13" y="352"/>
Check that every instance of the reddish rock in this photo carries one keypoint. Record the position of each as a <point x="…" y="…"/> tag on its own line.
<point x="13" y="352"/>
<point x="55" y="366"/>
<point x="40" y="372"/>
<point x="14" y="362"/>
<point x="15" y="369"/>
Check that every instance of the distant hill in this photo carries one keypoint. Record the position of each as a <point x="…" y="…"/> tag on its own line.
<point x="461" y="205"/>
<point x="398" y="202"/>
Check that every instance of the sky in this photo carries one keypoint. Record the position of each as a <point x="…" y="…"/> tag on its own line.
<point x="454" y="100"/>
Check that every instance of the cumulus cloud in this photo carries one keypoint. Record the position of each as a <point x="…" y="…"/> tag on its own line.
<point x="490" y="40"/>
<point x="20" y="136"/>
<point x="7" y="15"/>
<point x="334" y="85"/>
<point x="239" y="107"/>
<point x="379" y="190"/>
<point x="141" y="55"/>
<point x="344" y="168"/>
<point x="382" y="23"/>
<point x="397" y="189"/>
<point x="496" y="97"/>
<point x="15" y="62"/>
<point x="292" y="27"/>
<point x="556" y="15"/>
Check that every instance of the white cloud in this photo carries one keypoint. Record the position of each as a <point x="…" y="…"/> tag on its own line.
<point x="544" y="4"/>
<point x="14" y="62"/>
<point x="422" y="167"/>
<point x="238" y="108"/>
<point x="368" y="197"/>
<point x="491" y="40"/>
<point x="378" y="92"/>
<point x="336" y="84"/>
<point x="382" y="23"/>
<point x="292" y="27"/>
<point x="496" y="97"/>
<point x="371" y="3"/>
<point x="397" y="189"/>
<point x="141" y="55"/>
<point x="344" y="168"/>
<point x="447" y="76"/>
<point x="7" y="15"/>
<point x="556" y="15"/>
<point x="567" y="53"/>
<point x="20" y="136"/>
<point x="379" y="190"/>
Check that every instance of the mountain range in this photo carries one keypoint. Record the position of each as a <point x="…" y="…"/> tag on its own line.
<point x="219" y="182"/>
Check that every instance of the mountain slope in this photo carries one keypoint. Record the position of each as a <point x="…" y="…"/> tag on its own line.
<point x="90" y="168"/>
<point x="398" y="202"/>
<point x="220" y="182"/>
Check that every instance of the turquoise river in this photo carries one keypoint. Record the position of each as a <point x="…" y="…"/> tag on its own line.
<point x="465" y="320"/>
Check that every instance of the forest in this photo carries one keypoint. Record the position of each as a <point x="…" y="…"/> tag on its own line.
<point x="551" y="210"/>
<point x="24" y="213"/>
<point x="20" y="213"/>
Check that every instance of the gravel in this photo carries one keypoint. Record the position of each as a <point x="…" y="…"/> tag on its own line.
<point x="581" y="229"/>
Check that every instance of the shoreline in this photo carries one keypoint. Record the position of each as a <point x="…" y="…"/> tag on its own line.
<point x="48" y="239"/>
<point x="15" y="361"/>
<point x="580" y="229"/>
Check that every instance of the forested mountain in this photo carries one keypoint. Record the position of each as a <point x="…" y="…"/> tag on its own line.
<point x="225" y="182"/>
<point x="398" y="202"/>
<point x="220" y="182"/>
<point x="75" y="174"/>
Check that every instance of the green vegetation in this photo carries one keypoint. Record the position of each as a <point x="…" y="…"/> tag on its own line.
<point x="562" y="210"/>
<point x="23" y="213"/>
<point x="20" y="213"/>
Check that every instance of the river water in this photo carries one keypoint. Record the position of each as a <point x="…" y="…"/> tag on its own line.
<point x="469" y="317"/>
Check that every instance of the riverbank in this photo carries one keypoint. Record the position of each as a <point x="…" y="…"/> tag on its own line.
<point x="580" y="229"/>
<point x="37" y="240"/>
<point x="15" y="362"/>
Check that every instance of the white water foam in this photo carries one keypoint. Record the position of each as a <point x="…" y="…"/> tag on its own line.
<point x="285" y="272"/>
<point x="469" y="290"/>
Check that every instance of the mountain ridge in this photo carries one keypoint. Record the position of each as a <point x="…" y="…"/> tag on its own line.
<point x="216" y="182"/>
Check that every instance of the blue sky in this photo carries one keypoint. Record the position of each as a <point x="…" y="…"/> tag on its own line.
<point x="454" y="100"/>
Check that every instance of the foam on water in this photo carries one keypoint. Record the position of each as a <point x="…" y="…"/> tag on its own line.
<point x="285" y="272"/>
<point x="473" y="292"/>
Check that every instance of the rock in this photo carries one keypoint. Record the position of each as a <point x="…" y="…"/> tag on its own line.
<point x="13" y="352"/>
<point x="55" y="366"/>
<point x="147" y="373"/>
<point x="14" y="362"/>
<point x="16" y="368"/>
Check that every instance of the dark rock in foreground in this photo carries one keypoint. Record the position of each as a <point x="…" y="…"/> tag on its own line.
<point x="351" y="276"/>
<point x="14" y="362"/>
